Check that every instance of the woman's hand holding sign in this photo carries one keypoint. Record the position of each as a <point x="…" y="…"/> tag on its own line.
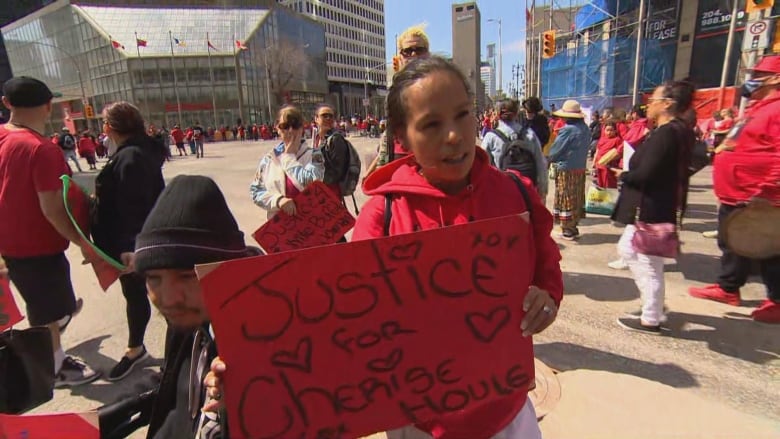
<point x="540" y="309"/>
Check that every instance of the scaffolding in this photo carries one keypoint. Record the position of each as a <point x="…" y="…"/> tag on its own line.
<point x="596" y="56"/>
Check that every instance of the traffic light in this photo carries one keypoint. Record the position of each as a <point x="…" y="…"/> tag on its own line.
<point x="548" y="44"/>
<point x="396" y="63"/>
<point x="89" y="112"/>
<point x="757" y="5"/>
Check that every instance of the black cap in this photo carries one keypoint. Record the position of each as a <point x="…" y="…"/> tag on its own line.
<point x="26" y="92"/>
<point x="190" y="224"/>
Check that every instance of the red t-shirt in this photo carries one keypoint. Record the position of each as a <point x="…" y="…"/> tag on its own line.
<point x="29" y="163"/>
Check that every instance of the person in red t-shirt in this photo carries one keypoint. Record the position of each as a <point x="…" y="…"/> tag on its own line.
<point x="178" y="139"/>
<point x="36" y="229"/>
<point x="87" y="148"/>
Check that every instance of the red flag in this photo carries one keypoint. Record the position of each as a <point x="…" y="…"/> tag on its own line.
<point x="241" y="46"/>
<point x="139" y="42"/>
<point x="117" y="45"/>
<point x="527" y="15"/>
<point x="212" y="46"/>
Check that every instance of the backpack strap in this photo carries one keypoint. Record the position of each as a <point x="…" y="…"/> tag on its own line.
<point x="501" y="135"/>
<point x="523" y="191"/>
<point x="388" y="214"/>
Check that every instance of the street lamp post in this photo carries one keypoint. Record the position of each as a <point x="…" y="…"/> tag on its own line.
<point x="365" y="83"/>
<point x="84" y="100"/>
<point x="500" y="52"/>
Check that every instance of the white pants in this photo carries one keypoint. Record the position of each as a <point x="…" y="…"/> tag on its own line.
<point x="648" y="274"/>
<point x="524" y="426"/>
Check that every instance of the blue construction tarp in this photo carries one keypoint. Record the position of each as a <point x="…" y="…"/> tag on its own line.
<point x="596" y="11"/>
<point x="603" y="70"/>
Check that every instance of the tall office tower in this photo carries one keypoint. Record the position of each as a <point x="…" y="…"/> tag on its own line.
<point x="466" y="45"/>
<point x="355" y="42"/>
<point x="488" y="76"/>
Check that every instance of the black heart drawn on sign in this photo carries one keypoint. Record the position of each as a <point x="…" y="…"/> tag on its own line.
<point x="486" y="326"/>
<point x="406" y="252"/>
<point x="386" y="364"/>
<point x="299" y="359"/>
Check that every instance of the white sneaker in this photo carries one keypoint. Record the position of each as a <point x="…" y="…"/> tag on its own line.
<point x="619" y="264"/>
<point x="74" y="372"/>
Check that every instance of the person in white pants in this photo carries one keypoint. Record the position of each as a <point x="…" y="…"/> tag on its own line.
<point x="654" y="190"/>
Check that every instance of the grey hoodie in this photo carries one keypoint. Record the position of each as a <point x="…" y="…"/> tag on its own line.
<point x="496" y="149"/>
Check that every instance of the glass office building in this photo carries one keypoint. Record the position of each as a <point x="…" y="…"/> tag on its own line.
<point x="178" y="65"/>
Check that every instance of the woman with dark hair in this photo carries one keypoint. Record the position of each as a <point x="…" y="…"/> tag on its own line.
<point x="654" y="192"/>
<point x="125" y="192"/>
<point x="447" y="180"/>
<point x="333" y="146"/>
<point x="609" y="152"/>
<point x="536" y="120"/>
<point x="638" y="129"/>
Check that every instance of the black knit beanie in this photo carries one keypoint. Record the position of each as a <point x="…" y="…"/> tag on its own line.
<point x="190" y="224"/>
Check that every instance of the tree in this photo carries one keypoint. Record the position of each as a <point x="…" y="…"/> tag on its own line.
<point x="286" y="62"/>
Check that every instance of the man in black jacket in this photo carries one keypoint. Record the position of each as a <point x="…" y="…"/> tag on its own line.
<point x="190" y="224"/>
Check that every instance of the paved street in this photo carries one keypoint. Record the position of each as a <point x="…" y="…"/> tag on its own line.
<point x="710" y="369"/>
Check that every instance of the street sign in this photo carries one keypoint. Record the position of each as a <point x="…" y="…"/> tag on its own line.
<point x="757" y="36"/>
<point x="366" y="102"/>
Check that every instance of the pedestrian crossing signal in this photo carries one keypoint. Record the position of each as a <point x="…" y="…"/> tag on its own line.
<point x="548" y="44"/>
<point x="89" y="112"/>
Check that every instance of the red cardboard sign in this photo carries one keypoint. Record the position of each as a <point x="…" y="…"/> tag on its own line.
<point x="346" y="340"/>
<point x="9" y="312"/>
<point x="106" y="269"/>
<point x="321" y="219"/>
<point x="48" y="426"/>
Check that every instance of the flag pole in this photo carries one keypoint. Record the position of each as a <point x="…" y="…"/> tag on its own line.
<point x="238" y="81"/>
<point x="211" y="76"/>
<point x="175" y="81"/>
<point x="143" y="85"/>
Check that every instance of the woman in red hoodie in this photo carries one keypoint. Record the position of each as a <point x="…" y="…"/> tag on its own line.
<point x="448" y="180"/>
<point x="610" y="141"/>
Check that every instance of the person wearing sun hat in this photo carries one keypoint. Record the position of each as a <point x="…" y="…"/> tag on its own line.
<point x="568" y="156"/>
<point x="746" y="175"/>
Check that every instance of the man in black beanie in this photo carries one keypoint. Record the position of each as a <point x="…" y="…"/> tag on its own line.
<point x="190" y="224"/>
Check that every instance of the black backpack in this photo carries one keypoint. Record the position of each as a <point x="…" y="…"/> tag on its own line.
<point x="520" y="186"/>
<point x="516" y="157"/>
<point x="349" y="182"/>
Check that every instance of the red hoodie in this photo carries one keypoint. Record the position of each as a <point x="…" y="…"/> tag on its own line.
<point x="752" y="169"/>
<point x="419" y="206"/>
<point x="636" y="133"/>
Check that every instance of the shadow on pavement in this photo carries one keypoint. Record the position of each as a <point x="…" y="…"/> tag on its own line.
<point x="598" y="238"/>
<point x="568" y="356"/>
<point x="696" y="266"/>
<point x="600" y="287"/>
<point x="698" y="227"/>
<point x="738" y="336"/>
<point x="143" y="378"/>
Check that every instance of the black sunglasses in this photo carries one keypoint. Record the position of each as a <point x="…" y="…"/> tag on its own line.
<point x="414" y="51"/>
<point x="326" y="115"/>
<point x="294" y="125"/>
